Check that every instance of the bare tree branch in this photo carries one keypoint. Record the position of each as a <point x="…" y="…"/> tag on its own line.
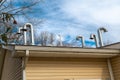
<point x="7" y="15"/>
<point x="20" y="9"/>
<point x="2" y="2"/>
<point x="45" y="38"/>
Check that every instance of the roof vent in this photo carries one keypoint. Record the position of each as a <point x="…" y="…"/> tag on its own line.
<point x="100" y="30"/>
<point x="24" y="29"/>
<point x="82" y="40"/>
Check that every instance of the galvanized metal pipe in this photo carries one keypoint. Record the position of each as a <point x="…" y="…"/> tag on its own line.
<point x="100" y="35"/>
<point x="100" y="38"/>
<point x="19" y="30"/>
<point x="93" y="36"/>
<point x="82" y="40"/>
<point x="60" y="40"/>
<point x="29" y="25"/>
<point x="24" y="35"/>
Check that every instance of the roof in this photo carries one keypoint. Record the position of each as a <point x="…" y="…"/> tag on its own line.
<point x="114" y="45"/>
<point x="40" y="51"/>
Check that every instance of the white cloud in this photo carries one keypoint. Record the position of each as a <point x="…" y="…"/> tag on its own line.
<point x="108" y="15"/>
<point x="100" y="12"/>
<point x="104" y="11"/>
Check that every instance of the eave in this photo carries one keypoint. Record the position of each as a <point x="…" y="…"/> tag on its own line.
<point x="38" y="51"/>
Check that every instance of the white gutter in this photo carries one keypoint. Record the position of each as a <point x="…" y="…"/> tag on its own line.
<point x="37" y="51"/>
<point x="24" y="63"/>
<point x="110" y="70"/>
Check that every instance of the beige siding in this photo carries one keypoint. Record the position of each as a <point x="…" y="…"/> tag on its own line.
<point x="67" y="69"/>
<point x="12" y="68"/>
<point x="116" y="67"/>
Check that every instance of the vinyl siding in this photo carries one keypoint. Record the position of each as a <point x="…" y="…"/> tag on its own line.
<point x="116" y="67"/>
<point x="12" y="68"/>
<point x="67" y="69"/>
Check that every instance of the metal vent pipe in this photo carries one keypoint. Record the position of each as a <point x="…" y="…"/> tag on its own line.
<point x="29" y="25"/>
<point x="93" y="36"/>
<point x="60" y="40"/>
<point x="100" y="30"/>
<point x="82" y="40"/>
<point x="19" y="30"/>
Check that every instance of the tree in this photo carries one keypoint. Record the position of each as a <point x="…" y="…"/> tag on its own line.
<point x="45" y="38"/>
<point x="8" y="14"/>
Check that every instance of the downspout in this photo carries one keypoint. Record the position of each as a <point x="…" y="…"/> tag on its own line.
<point x="24" y="63"/>
<point x="110" y="69"/>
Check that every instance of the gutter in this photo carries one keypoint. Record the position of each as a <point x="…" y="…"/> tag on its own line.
<point x="36" y="51"/>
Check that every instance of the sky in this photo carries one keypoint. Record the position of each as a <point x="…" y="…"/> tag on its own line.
<point x="70" y="18"/>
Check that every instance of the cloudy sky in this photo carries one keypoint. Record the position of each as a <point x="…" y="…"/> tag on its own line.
<point x="70" y="18"/>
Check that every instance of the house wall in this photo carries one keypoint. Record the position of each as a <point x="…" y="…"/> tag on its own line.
<point x="115" y="61"/>
<point x="12" y="68"/>
<point x="2" y="55"/>
<point x="116" y="67"/>
<point x="67" y="69"/>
